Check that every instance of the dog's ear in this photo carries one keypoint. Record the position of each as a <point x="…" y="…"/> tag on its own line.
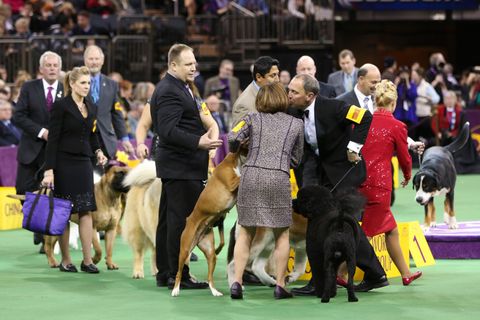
<point x="351" y="201"/>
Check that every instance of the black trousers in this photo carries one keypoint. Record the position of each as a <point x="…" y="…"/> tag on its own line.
<point x="367" y="260"/>
<point x="29" y="176"/>
<point x="177" y="201"/>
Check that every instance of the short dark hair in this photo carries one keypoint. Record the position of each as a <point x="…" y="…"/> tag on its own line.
<point x="310" y="84"/>
<point x="263" y="65"/>
<point x="272" y="98"/>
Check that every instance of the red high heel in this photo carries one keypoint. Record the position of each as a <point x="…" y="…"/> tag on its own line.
<point x="341" y="282"/>
<point x="407" y="280"/>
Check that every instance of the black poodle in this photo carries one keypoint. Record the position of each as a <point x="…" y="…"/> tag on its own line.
<point x="332" y="235"/>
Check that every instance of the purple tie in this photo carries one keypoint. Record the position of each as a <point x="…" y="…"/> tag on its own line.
<point x="49" y="99"/>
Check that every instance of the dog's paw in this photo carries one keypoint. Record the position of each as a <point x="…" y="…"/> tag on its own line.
<point x="215" y="292"/>
<point x="425" y="228"/>
<point x="138" y="274"/>
<point x="112" y="266"/>
<point x="176" y="292"/>
<point x="352" y="299"/>
<point x="433" y="224"/>
<point x="452" y="223"/>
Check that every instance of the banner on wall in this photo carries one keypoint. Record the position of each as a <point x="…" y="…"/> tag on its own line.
<point x="381" y="5"/>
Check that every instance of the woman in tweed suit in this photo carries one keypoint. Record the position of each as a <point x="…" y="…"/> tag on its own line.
<point x="264" y="196"/>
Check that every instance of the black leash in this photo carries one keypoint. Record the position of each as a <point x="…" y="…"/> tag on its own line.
<point x="343" y="178"/>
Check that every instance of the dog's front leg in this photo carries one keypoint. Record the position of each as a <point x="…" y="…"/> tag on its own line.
<point x="351" y="265"/>
<point x="109" y="242"/>
<point x="96" y="247"/>
<point x="49" y="244"/>
<point x="300" y="261"/>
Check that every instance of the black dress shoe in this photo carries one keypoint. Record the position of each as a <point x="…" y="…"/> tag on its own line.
<point x="187" y="283"/>
<point x="281" y="293"/>
<point x="308" y="290"/>
<point x="236" y="291"/>
<point x="89" y="268"/>
<point x="68" y="268"/>
<point x="162" y="281"/>
<point x="193" y="257"/>
<point x="367" y="285"/>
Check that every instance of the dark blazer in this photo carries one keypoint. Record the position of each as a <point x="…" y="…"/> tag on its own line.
<point x="7" y="138"/>
<point x="70" y="131"/>
<point x="327" y="90"/>
<point x="179" y="128"/>
<point x="31" y="115"/>
<point x="350" y="98"/>
<point x="110" y="122"/>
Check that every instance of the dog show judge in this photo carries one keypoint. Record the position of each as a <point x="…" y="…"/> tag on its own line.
<point x="332" y="147"/>
<point x="182" y="160"/>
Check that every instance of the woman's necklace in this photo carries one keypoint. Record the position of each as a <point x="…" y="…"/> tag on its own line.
<point x="81" y="107"/>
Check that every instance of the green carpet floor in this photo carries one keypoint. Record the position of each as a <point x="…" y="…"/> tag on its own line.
<point x="31" y="290"/>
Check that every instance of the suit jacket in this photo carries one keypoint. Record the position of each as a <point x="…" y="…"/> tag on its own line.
<point x="31" y="115"/>
<point x="110" y="122"/>
<point x="179" y="128"/>
<point x="214" y="82"/>
<point x="334" y="131"/>
<point x="336" y="79"/>
<point x="327" y="90"/>
<point x="70" y="132"/>
<point x="7" y="138"/>
<point x="350" y="98"/>
<point x="245" y="103"/>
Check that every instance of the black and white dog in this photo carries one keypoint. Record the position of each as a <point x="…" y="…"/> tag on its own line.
<point x="332" y="236"/>
<point x="437" y="176"/>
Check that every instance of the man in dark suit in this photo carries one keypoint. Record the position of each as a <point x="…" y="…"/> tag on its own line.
<point x="32" y="113"/>
<point x="182" y="160"/>
<point x="31" y="116"/>
<point x="362" y="95"/>
<point x="335" y="147"/>
<point x="104" y="93"/>
<point x="9" y="133"/>
<point x="306" y="65"/>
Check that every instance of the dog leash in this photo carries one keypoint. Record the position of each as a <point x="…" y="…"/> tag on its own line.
<point x="343" y="178"/>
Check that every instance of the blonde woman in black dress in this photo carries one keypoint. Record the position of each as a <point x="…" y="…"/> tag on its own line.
<point x="72" y="142"/>
<point x="264" y="195"/>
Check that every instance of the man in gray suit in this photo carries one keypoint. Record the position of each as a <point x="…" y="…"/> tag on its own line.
<point x="265" y="70"/>
<point x="224" y="85"/>
<point x="104" y="93"/>
<point x="345" y="79"/>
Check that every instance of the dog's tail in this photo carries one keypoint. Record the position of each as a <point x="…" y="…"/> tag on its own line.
<point x="231" y="244"/>
<point x="144" y="173"/>
<point x="350" y="204"/>
<point x="460" y="140"/>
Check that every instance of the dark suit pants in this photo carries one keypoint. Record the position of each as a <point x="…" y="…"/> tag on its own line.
<point x="29" y="176"/>
<point x="176" y="203"/>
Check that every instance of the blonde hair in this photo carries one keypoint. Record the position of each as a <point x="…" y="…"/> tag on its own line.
<point x="73" y="76"/>
<point x="385" y="93"/>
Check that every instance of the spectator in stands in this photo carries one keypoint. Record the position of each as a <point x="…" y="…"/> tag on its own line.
<point x="426" y="98"/>
<point x="15" y="5"/>
<point x="390" y="71"/>
<point x="9" y="133"/>
<point x="6" y="19"/>
<point x="306" y="65"/>
<point x="436" y="75"/>
<point x="3" y="72"/>
<point x="133" y="116"/>
<point x="449" y="118"/>
<point x="473" y="88"/>
<point x="104" y="93"/>
<point x="345" y="79"/>
<point x="302" y="19"/>
<point x="225" y="85"/>
<point x="214" y="105"/>
<point x="83" y="27"/>
<point x="115" y="76"/>
<point x="22" y="28"/>
<point x="265" y="70"/>
<point x="217" y="7"/>
<point x="126" y="94"/>
<point x="20" y="79"/>
<point x="143" y="91"/>
<point x="5" y="91"/>
<point x="103" y="8"/>
<point x="42" y="18"/>
<point x="405" y="110"/>
<point x="285" y="78"/>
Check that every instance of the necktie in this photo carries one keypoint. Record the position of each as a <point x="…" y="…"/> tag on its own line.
<point x="189" y="91"/>
<point x="349" y="82"/>
<point x="49" y="99"/>
<point x="451" y="116"/>
<point x="95" y="90"/>
<point x="365" y="103"/>
<point x="13" y="130"/>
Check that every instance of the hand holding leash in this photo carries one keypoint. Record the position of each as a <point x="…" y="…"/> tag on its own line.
<point x="418" y="147"/>
<point x="101" y="159"/>
<point x="142" y="151"/>
<point x="353" y="157"/>
<point x="47" y="179"/>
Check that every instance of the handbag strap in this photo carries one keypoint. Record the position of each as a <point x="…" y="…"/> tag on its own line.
<point x="50" y="211"/>
<point x="34" y="204"/>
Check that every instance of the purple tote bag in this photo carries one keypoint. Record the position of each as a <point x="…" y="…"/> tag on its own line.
<point x="45" y="214"/>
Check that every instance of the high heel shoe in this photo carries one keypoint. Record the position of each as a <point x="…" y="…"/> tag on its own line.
<point x="341" y="282"/>
<point x="236" y="291"/>
<point x="407" y="280"/>
<point x="281" y="293"/>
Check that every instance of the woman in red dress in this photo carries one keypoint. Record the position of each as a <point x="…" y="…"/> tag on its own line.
<point x="385" y="137"/>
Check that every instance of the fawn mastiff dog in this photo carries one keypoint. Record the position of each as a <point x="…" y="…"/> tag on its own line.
<point x="216" y="200"/>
